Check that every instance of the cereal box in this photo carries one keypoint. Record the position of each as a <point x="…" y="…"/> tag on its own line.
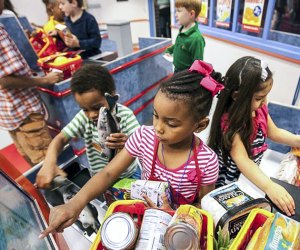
<point x="119" y="191"/>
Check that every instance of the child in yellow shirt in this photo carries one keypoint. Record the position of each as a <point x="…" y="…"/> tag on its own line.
<point x="55" y="16"/>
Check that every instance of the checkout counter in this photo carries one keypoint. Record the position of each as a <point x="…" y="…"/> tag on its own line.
<point x="137" y="76"/>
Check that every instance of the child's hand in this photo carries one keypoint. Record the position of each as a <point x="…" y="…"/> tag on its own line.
<point x="281" y="198"/>
<point x="46" y="175"/>
<point x="168" y="57"/>
<point x="61" y="217"/>
<point x="116" y="140"/>
<point x="165" y="205"/>
<point x="71" y="41"/>
<point x="53" y="77"/>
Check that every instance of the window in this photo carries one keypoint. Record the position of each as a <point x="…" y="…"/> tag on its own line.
<point x="223" y="12"/>
<point x="269" y="25"/>
<point x="285" y="25"/>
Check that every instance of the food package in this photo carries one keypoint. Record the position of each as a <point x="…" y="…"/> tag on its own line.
<point x="153" y="189"/>
<point x="63" y="30"/>
<point x="230" y="206"/>
<point x="119" y="191"/>
<point x="280" y="233"/>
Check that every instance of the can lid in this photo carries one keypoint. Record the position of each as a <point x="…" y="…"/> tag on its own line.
<point x="118" y="231"/>
<point x="181" y="236"/>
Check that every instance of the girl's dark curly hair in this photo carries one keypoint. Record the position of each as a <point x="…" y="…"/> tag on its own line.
<point x="185" y="86"/>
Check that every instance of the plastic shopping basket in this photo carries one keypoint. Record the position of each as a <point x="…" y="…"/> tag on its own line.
<point x="136" y="208"/>
<point x="69" y="62"/>
<point x="43" y="44"/>
<point x="255" y="219"/>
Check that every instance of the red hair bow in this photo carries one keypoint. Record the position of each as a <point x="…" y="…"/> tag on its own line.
<point x="207" y="81"/>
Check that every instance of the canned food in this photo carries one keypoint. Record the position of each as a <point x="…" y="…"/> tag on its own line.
<point x="184" y="230"/>
<point x="119" y="232"/>
<point x="154" y="225"/>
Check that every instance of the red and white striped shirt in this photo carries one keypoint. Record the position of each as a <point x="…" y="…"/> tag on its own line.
<point x="141" y="145"/>
<point x="15" y="104"/>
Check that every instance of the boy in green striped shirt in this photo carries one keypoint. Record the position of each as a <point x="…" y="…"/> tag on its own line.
<point x="88" y="85"/>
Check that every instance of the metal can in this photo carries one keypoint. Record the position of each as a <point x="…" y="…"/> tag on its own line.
<point x="154" y="225"/>
<point x="119" y="232"/>
<point x="184" y="230"/>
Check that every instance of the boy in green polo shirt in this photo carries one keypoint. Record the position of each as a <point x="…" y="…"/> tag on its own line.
<point x="189" y="44"/>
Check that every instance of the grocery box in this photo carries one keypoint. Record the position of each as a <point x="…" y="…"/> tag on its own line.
<point x="63" y="30"/>
<point x="67" y="62"/>
<point x="136" y="209"/>
<point x="230" y="206"/>
<point x="119" y="191"/>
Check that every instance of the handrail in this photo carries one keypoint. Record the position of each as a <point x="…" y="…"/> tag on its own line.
<point x="112" y="71"/>
<point x="135" y="61"/>
<point x="53" y="93"/>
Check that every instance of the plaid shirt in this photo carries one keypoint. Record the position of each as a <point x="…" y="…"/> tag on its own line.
<point x="15" y="104"/>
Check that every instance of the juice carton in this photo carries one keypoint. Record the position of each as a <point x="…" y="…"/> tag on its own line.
<point x="119" y="191"/>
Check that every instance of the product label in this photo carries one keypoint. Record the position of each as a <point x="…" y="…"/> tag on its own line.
<point x="153" y="189"/>
<point x="190" y="215"/>
<point x="153" y="229"/>
<point x="236" y="224"/>
<point x="231" y="196"/>
<point x="284" y="234"/>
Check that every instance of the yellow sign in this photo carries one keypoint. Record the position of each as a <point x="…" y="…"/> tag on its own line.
<point x="252" y="16"/>
<point x="203" y="16"/>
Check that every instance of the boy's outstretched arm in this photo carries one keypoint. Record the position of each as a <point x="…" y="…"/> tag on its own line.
<point x="276" y="193"/>
<point x="282" y="136"/>
<point x="65" y="215"/>
<point x="50" y="169"/>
